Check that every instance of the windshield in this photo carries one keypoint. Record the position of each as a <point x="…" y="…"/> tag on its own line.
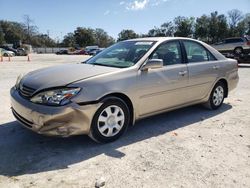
<point x="123" y="54"/>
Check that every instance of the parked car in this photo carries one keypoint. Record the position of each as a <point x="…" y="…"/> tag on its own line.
<point x="237" y="46"/>
<point x="21" y="52"/>
<point x="90" y="49"/>
<point x="6" y="53"/>
<point x="7" y="48"/>
<point x="61" y="52"/>
<point x="79" y="52"/>
<point x="94" y="52"/>
<point x="17" y="52"/>
<point x="128" y="81"/>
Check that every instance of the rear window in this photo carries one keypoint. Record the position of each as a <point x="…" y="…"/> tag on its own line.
<point x="197" y="53"/>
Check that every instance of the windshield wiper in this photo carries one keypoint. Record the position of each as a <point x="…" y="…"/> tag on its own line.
<point x="104" y="65"/>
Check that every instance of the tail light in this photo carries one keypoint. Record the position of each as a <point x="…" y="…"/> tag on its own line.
<point x="248" y="43"/>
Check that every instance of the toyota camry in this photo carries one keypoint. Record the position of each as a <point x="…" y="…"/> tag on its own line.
<point x="128" y="81"/>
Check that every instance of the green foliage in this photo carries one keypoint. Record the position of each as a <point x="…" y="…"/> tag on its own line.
<point x="166" y="30"/>
<point x="84" y="36"/>
<point x="183" y="26"/>
<point x="243" y="26"/>
<point x="1" y="36"/>
<point x="102" y="39"/>
<point x="208" y="28"/>
<point x="218" y="28"/>
<point x="126" y="34"/>
<point x="43" y="40"/>
<point x="69" y="40"/>
<point x="14" y="33"/>
<point x="202" y="28"/>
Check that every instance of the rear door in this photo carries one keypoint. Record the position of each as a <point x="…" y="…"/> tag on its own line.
<point x="232" y="43"/>
<point x="203" y="70"/>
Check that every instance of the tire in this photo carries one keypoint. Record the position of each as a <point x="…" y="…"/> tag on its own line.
<point x="5" y="55"/>
<point x="217" y="96"/>
<point x="238" y="51"/>
<point x="110" y="121"/>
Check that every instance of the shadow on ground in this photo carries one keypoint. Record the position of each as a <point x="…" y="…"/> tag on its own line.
<point x="25" y="152"/>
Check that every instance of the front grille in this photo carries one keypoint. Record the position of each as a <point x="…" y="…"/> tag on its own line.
<point x="24" y="121"/>
<point x="26" y="91"/>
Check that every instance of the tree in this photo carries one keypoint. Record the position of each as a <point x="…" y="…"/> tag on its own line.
<point x="243" y="27"/>
<point x="166" y="29"/>
<point x="202" y="28"/>
<point x="247" y="24"/>
<point x="102" y="39"/>
<point x="155" y="32"/>
<point x="13" y="31"/>
<point x="223" y="29"/>
<point x="218" y="27"/>
<point x="234" y="17"/>
<point x="30" y="30"/>
<point x="126" y="34"/>
<point x="1" y="36"/>
<point x="183" y="26"/>
<point x="84" y="36"/>
<point x="69" y="40"/>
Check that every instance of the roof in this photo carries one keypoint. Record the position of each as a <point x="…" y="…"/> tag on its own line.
<point x="159" y="39"/>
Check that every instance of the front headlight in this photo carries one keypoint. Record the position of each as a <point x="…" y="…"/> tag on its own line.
<point x="55" y="97"/>
<point x="18" y="80"/>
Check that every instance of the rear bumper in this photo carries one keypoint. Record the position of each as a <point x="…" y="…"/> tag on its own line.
<point x="65" y="121"/>
<point x="233" y="81"/>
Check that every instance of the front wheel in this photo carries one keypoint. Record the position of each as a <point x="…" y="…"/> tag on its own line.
<point x="110" y="121"/>
<point x="216" y="97"/>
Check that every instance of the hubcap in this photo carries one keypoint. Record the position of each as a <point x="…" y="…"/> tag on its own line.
<point x="218" y="95"/>
<point x="111" y="121"/>
<point x="238" y="51"/>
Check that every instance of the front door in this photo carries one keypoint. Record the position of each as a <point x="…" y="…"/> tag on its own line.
<point x="163" y="88"/>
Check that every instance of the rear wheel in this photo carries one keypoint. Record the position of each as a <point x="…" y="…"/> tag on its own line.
<point x="217" y="96"/>
<point x="5" y="55"/>
<point x="110" y="121"/>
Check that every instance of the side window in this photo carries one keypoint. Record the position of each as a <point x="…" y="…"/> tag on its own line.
<point x="234" y="40"/>
<point x="240" y="40"/>
<point x="196" y="52"/>
<point x="169" y="52"/>
<point x="229" y="41"/>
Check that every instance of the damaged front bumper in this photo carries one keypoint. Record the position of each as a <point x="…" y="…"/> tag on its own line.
<point x="68" y="120"/>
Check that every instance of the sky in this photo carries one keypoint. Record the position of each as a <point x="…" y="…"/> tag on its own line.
<point x="58" y="17"/>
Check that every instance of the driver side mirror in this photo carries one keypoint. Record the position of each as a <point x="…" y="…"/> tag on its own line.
<point x="152" y="64"/>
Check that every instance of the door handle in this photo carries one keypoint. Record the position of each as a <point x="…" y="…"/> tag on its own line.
<point x="216" y="67"/>
<point x="182" y="73"/>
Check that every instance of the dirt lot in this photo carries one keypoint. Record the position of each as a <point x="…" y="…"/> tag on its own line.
<point x="190" y="147"/>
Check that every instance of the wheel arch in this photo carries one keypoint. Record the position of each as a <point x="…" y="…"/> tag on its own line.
<point x="224" y="81"/>
<point x="238" y="47"/>
<point x="128" y="102"/>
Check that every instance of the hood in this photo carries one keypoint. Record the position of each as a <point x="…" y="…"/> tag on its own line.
<point x="62" y="75"/>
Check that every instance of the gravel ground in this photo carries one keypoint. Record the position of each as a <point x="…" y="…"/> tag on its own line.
<point x="190" y="147"/>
